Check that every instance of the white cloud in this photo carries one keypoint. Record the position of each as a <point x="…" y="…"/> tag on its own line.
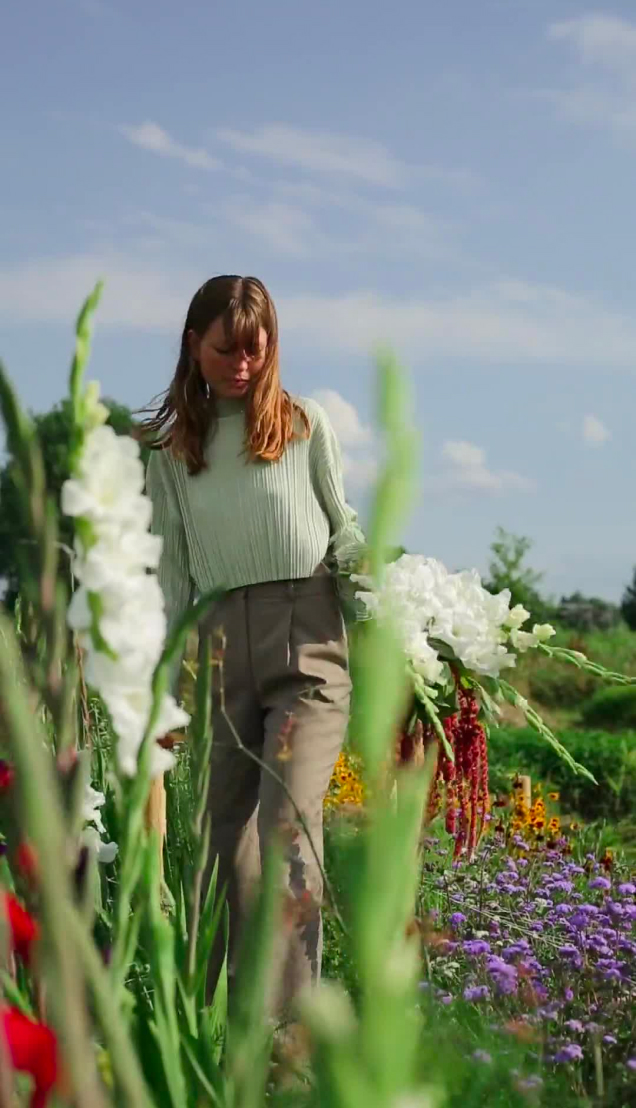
<point x="599" y="39"/>
<point x="508" y="322"/>
<point x="135" y="296"/>
<point x="505" y="321"/>
<point x="605" y="47"/>
<point x="359" y="473"/>
<point x="345" y="419"/>
<point x="283" y="227"/>
<point x="321" y="152"/>
<point x="467" y="469"/>
<point x="151" y="137"/>
<point x="356" y="439"/>
<point x="594" y="431"/>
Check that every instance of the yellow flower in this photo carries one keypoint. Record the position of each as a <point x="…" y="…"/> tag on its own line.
<point x="554" y="796"/>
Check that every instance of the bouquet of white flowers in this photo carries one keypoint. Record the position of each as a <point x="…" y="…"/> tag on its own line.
<point x="458" y="640"/>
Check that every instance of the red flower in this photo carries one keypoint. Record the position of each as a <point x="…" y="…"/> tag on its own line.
<point x="23" y="928"/>
<point x="6" y="776"/>
<point x="32" y="1049"/>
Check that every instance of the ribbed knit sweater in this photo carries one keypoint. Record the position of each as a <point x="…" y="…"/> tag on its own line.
<point x="240" y="522"/>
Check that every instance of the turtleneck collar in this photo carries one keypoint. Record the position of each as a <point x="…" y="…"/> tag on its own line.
<point x="225" y="408"/>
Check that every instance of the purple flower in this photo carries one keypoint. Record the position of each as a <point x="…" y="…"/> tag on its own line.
<point x="627" y="889"/>
<point x="529" y="1084"/>
<point x="475" y="947"/>
<point x="571" y="1052"/>
<point x="445" y="999"/>
<point x="611" y="1040"/>
<point x="482" y="1056"/>
<point x="572" y="955"/>
<point x="573" y="1025"/>
<point x="522" y="946"/>
<point x="476" y="992"/>
<point x="631" y="1064"/>
<point x="457" y="919"/>
<point x="568" y="995"/>
<point x="600" y="883"/>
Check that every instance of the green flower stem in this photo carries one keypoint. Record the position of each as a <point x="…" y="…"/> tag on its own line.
<point x="83" y="334"/>
<point x="202" y="746"/>
<point x="43" y="826"/>
<point x="129" y="1079"/>
<point x="576" y="658"/>
<point x="540" y="726"/>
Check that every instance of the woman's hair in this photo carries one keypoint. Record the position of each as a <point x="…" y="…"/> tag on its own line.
<point x="185" y="414"/>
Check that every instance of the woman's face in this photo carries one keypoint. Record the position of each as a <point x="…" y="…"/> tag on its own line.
<point x="226" y="368"/>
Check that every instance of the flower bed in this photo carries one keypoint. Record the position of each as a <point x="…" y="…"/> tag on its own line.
<point x="540" y="941"/>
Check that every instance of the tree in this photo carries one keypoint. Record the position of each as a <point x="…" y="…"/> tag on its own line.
<point x="507" y="571"/>
<point x="587" y="613"/>
<point x="53" y="429"/>
<point x="628" y="603"/>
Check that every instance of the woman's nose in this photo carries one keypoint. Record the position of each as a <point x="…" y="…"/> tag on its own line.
<point x="242" y="361"/>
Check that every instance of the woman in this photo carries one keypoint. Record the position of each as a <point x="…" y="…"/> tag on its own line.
<point x="247" y="494"/>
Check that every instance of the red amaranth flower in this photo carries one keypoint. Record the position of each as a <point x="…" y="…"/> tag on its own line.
<point x="466" y="781"/>
<point x="32" y="1049"/>
<point x="24" y="930"/>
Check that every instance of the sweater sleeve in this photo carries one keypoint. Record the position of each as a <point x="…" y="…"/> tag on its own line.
<point x="347" y="540"/>
<point x="174" y="566"/>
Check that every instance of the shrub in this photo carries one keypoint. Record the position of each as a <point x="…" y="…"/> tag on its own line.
<point x="560" y="686"/>
<point x="610" y="757"/>
<point x="613" y="708"/>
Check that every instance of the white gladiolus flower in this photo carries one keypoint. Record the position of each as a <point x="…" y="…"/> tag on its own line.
<point x="118" y="609"/>
<point x="106" y="852"/>
<point x="95" y="413"/>
<point x="543" y="631"/>
<point x="517" y="616"/>
<point x="115" y="555"/>
<point x="108" y="485"/>
<point x="442" y="615"/>
<point x="523" y="640"/>
<point x="91" y="836"/>
<point x="93" y="801"/>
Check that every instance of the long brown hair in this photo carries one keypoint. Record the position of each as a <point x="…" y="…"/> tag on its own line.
<point x="185" y="414"/>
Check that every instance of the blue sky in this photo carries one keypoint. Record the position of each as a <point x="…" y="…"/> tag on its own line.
<point x="454" y="178"/>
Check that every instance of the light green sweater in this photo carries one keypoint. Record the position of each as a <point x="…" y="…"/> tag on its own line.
<point x="240" y="522"/>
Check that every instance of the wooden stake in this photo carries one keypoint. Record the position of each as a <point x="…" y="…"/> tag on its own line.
<point x="526" y="790"/>
<point x="156" y="815"/>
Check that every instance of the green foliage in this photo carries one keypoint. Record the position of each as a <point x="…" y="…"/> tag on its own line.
<point x="611" y="758"/>
<point x="54" y="433"/>
<point x="628" y="603"/>
<point x="507" y="571"/>
<point x="559" y="685"/>
<point x="612" y="709"/>
<point x="556" y="686"/>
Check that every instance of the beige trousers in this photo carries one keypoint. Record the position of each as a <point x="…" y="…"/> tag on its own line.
<point x="284" y="689"/>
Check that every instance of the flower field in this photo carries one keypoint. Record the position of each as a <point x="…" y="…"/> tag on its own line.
<point x="478" y="948"/>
